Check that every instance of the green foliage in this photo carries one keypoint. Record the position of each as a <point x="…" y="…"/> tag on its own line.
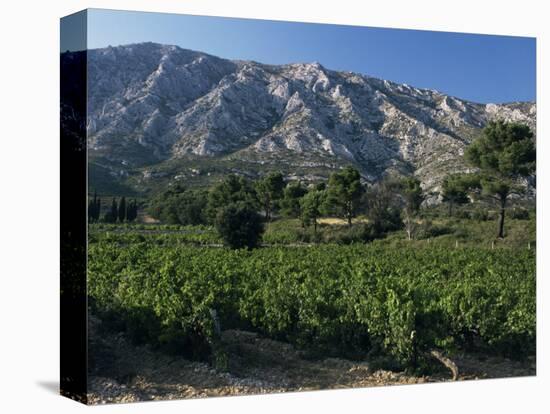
<point x="94" y="208"/>
<point x="311" y="207"/>
<point x="383" y="209"/>
<point x="519" y="213"/>
<point x="161" y="235"/>
<point x="179" y="205"/>
<point x="506" y="150"/>
<point x="233" y="189"/>
<point x="359" y="233"/>
<point x="455" y="191"/>
<point x="427" y="229"/>
<point x="122" y="210"/>
<point x="503" y="154"/>
<point x="270" y="189"/>
<point x="239" y="225"/>
<point x="320" y="186"/>
<point x="339" y="300"/>
<point x="480" y="214"/>
<point x="131" y="211"/>
<point x="412" y="194"/>
<point x="111" y="216"/>
<point x="344" y="193"/>
<point x="412" y="197"/>
<point x="290" y="204"/>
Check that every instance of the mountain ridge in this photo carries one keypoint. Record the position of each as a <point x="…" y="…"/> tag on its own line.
<point x="151" y="104"/>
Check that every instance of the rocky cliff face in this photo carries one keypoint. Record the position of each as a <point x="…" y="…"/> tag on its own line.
<point x="151" y="104"/>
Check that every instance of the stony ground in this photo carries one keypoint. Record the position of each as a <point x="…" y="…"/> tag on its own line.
<point x="122" y="372"/>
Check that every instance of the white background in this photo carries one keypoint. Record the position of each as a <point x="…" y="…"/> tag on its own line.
<point x="29" y="203"/>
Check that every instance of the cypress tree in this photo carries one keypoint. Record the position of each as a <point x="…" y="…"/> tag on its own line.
<point x="92" y="208"/>
<point x="114" y="211"/>
<point x="91" y="214"/>
<point x="134" y="210"/>
<point x="131" y="211"/>
<point x="98" y="209"/>
<point x="95" y="211"/>
<point x="122" y="210"/>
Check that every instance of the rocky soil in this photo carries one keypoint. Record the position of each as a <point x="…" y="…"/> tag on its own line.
<point x="122" y="372"/>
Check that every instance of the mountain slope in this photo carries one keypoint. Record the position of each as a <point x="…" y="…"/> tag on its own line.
<point x="160" y="112"/>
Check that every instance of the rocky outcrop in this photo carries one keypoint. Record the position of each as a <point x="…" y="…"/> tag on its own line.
<point x="151" y="103"/>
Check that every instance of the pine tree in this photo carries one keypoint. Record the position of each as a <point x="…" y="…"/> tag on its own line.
<point x="455" y="191"/>
<point x="344" y="193"/>
<point x="310" y="206"/>
<point x="269" y="190"/>
<point x="505" y="155"/>
<point x="292" y="194"/>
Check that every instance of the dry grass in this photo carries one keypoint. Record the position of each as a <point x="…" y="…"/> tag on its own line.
<point x="332" y="221"/>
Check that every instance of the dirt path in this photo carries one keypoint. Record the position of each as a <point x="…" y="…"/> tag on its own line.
<point x="122" y="372"/>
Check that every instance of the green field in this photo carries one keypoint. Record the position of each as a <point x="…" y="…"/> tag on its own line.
<point x="175" y="287"/>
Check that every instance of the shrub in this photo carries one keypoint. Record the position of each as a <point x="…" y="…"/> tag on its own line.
<point x="519" y="213"/>
<point x="428" y="230"/>
<point x="389" y="220"/>
<point x="462" y="214"/>
<point x="179" y="206"/>
<point x="239" y="225"/>
<point x="480" y="214"/>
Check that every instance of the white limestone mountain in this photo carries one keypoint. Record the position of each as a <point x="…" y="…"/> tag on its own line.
<point x="158" y="111"/>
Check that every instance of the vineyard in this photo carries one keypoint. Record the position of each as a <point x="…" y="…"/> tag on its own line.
<point x="354" y="301"/>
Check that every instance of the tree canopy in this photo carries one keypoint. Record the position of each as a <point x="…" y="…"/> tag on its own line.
<point x="344" y="193"/>
<point x="505" y="150"/>
<point x="290" y="204"/>
<point x="455" y="191"/>
<point x="503" y="154"/>
<point x="233" y="189"/>
<point x="179" y="205"/>
<point x="239" y="225"/>
<point x="270" y="189"/>
<point x="311" y="206"/>
<point x="412" y="194"/>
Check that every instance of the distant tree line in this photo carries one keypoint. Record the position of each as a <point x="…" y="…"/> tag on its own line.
<point x="119" y="212"/>
<point x="238" y="207"/>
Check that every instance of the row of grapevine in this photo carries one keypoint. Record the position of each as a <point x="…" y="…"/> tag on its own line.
<point x="335" y="300"/>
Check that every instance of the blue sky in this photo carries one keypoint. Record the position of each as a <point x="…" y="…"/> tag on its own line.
<point x="481" y="68"/>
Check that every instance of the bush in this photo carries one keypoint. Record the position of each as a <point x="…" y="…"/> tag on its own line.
<point x="385" y="221"/>
<point x="179" y="206"/>
<point x="428" y="230"/>
<point x="461" y="232"/>
<point x="480" y="214"/>
<point x="462" y="214"/>
<point x="308" y="235"/>
<point x="519" y="213"/>
<point x="239" y="225"/>
<point x="359" y="233"/>
<point x="344" y="235"/>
